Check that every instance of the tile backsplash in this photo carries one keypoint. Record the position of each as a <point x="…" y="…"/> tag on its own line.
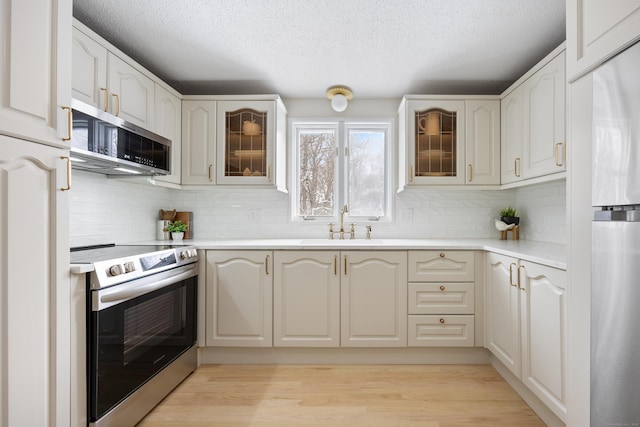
<point x="121" y="211"/>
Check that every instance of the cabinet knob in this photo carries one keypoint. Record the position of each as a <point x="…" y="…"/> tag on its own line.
<point x="441" y="321"/>
<point x="442" y="287"/>
<point x="441" y="254"/>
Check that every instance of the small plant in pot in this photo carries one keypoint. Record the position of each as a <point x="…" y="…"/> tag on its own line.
<point x="177" y="229"/>
<point x="509" y="216"/>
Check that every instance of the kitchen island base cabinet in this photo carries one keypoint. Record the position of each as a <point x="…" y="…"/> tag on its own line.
<point x="239" y="298"/>
<point x="306" y="299"/>
<point x="374" y="299"/>
<point x="526" y="326"/>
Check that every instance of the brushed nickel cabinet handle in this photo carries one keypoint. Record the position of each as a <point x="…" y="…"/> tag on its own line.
<point x="410" y="173"/>
<point x="68" y="187"/>
<point x="269" y="173"/>
<point x="210" y="167"/>
<point x="106" y="98"/>
<point x="345" y="265"/>
<point x="516" y="170"/>
<point x="266" y="265"/>
<point x="69" y="123"/>
<point x="470" y="172"/>
<point x="335" y="265"/>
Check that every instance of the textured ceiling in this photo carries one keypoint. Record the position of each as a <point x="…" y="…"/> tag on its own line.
<point x="298" y="48"/>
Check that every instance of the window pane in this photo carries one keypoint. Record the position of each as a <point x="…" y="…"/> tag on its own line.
<point x="317" y="159"/>
<point x="366" y="173"/>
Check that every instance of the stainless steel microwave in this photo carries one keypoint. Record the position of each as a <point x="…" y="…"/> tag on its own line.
<point x="104" y="143"/>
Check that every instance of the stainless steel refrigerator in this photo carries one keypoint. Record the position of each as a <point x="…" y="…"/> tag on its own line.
<point x="615" y="263"/>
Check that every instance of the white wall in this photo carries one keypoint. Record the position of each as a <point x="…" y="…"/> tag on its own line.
<point x="111" y="210"/>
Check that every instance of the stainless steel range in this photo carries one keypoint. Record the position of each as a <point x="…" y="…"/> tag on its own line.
<point x="141" y="327"/>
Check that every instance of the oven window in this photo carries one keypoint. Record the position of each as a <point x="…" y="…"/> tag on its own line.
<point x="132" y="341"/>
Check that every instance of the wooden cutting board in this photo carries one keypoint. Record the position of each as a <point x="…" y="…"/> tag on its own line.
<point x="187" y="218"/>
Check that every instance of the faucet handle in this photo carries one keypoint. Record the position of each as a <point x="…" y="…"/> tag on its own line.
<point x="353" y="231"/>
<point x="368" y="232"/>
<point x="331" y="230"/>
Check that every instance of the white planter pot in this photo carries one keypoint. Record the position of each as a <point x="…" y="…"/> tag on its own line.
<point x="177" y="236"/>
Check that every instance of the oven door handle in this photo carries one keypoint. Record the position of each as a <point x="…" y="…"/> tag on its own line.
<point x="105" y="298"/>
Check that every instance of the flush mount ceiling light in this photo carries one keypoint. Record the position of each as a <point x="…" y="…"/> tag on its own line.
<point x="340" y="97"/>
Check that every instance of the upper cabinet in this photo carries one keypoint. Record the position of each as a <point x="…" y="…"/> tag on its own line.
<point x="238" y="140"/>
<point x="597" y="30"/>
<point x="533" y="123"/>
<point x="35" y="89"/>
<point x="168" y="120"/>
<point x="102" y="79"/>
<point x="448" y="141"/>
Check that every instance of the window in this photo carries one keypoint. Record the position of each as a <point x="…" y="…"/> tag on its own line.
<point x="341" y="163"/>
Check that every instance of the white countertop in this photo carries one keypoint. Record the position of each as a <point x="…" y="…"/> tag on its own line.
<point x="550" y="254"/>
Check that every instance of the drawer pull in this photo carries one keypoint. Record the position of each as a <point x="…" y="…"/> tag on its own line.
<point x="441" y="254"/>
<point x="442" y="321"/>
<point x="442" y="287"/>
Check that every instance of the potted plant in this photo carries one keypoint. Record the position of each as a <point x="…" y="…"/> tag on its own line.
<point x="509" y="216"/>
<point x="177" y="229"/>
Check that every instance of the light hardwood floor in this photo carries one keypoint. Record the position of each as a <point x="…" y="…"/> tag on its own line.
<point x="343" y="395"/>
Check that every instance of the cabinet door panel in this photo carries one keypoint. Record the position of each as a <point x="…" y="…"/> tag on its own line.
<point x="306" y="299"/>
<point x="483" y="142"/>
<point x="374" y="299"/>
<point x="544" y="120"/>
<point x="34" y="290"/>
<point x="511" y="122"/>
<point x="543" y="314"/>
<point x="239" y="299"/>
<point x="198" y="142"/>
<point x="441" y="298"/>
<point x="89" y="68"/>
<point x="168" y="111"/>
<point x="131" y="93"/>
<point x="36" y="70"/>
<point x="502" y="316"/>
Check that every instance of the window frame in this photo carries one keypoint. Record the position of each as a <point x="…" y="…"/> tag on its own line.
<point x="341" y="184"/>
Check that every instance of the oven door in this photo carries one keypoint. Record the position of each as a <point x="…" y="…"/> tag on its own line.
<point x="135" y="330"/>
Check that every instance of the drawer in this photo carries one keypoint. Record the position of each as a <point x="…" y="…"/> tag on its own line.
<point x="441" y="298"/>
<point x="441" y="266"/>
<point x="441" y="331"/>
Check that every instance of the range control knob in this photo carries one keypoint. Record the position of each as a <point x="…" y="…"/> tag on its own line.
<point x="189" y="253"/>
<point x="129" y="267"/>
<point x="116" y="269"/>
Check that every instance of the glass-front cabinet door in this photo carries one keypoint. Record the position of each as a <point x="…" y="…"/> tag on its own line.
<point x="246" y="138"/>
<point x="435" y="138"/>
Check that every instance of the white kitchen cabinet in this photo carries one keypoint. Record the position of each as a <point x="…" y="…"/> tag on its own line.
<point x="306" y="299"/>
<point x="432" y="137"/>
<point x="131" y="92"/>
<point x="251" y="145"/>
<point x="89" y="70"/>
<point x="198" y="142"/>
<point x="597" y="30"/>
<point x="526" y="325"/>
<point x="103" y="79"/>
<point x="239" y="292"/>
<point x="482" y="145"/>
<point x="374" y="299"/>
<point x="533" y="123"/>
<point x="35" y="89"/>
<point x="512" y="135"/>
<point x="168" y="120"/>
<point x="34" y="285"/>
<point x="441" y="299"/>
